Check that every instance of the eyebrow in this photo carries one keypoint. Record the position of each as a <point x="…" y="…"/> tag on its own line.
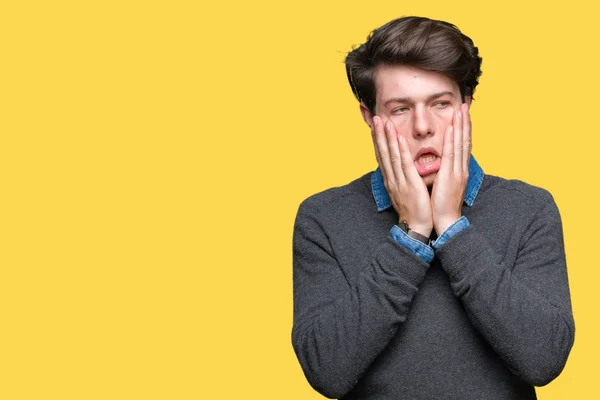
<point x="409" y="100"/>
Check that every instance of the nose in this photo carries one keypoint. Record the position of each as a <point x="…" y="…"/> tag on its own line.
<point x="422" y="123"/>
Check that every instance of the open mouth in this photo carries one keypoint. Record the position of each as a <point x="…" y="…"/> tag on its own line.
<point x="427" y="162"/>
<point x="427" y="158"/>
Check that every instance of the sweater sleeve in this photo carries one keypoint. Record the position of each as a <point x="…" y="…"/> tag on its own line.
<point x="523" y="310"/>
<point x="341" y="327"/>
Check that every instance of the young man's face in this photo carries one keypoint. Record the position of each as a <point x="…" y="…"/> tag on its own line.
<point x="420" y="104"/>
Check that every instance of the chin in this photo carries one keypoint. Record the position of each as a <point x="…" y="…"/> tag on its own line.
<point x="429" y="179"/>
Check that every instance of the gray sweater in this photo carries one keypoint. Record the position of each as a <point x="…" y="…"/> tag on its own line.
<point x="489" y="318"/>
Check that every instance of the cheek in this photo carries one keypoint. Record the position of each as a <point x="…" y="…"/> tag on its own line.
<point x="403" y="127"/>
<point x="443" y="119"/>
<point x="445" y="116"/>
<point x="400" y="121"/>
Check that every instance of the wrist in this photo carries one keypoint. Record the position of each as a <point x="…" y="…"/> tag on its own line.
<point x="445" y="224"/>
<point x="421" y="229"/>
<point x="417" y="236"/>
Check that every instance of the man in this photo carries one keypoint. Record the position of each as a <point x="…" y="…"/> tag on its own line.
<point x="427" y="279"/>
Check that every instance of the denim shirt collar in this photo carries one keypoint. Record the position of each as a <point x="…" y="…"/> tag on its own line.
<point x="382" y="198"/>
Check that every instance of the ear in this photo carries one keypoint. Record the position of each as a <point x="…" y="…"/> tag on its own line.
<point x="468" y="101"/>
<point x="468" y="97"/>
<point x="366" y="114"/>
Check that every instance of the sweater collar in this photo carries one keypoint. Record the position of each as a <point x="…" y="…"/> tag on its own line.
<point x="382" y="198"/>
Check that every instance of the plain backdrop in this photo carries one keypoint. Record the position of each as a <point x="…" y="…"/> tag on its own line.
<point x="153" y="155"/>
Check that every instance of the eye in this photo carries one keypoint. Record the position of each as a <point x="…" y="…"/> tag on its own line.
<point x="441" y="104"/>
<point x="399" y="110"/>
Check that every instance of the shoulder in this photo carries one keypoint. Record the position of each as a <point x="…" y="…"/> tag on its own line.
<point x="357" y="191"/>
<point x="515" y="191"/>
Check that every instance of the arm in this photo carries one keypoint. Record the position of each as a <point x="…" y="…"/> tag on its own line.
<point x="523" y="310"/>
<point x="339" y="327"/>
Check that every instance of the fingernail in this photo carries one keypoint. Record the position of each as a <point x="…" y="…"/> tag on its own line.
<point x="388" y="127"/>
<point x="459" y="114"/>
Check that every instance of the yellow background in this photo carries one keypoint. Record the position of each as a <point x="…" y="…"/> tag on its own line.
<point x="153" y="155"/>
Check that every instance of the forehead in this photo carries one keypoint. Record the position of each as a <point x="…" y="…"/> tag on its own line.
<point x="400" y="81"/>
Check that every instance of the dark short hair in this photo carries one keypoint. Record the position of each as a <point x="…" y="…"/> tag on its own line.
<point x="420" y="42"/>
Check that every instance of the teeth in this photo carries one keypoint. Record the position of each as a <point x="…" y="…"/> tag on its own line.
<point x="426" y="159"/>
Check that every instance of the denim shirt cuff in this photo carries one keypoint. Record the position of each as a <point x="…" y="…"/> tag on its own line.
<point x="419" y="248"/>
<point x="459" y="225"/>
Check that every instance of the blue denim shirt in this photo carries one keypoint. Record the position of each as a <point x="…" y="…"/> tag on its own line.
<point x="383" y="201"/>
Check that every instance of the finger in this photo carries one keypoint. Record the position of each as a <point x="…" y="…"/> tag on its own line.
<point x="448" y="149"/>
<point x="408" y="166"/>
<point x="396" y="161"/>
<point x="373" y="137"/>
<point x="458" y="140"/>
<point x="467" y="137"/>
<point x="382" y="147"/>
